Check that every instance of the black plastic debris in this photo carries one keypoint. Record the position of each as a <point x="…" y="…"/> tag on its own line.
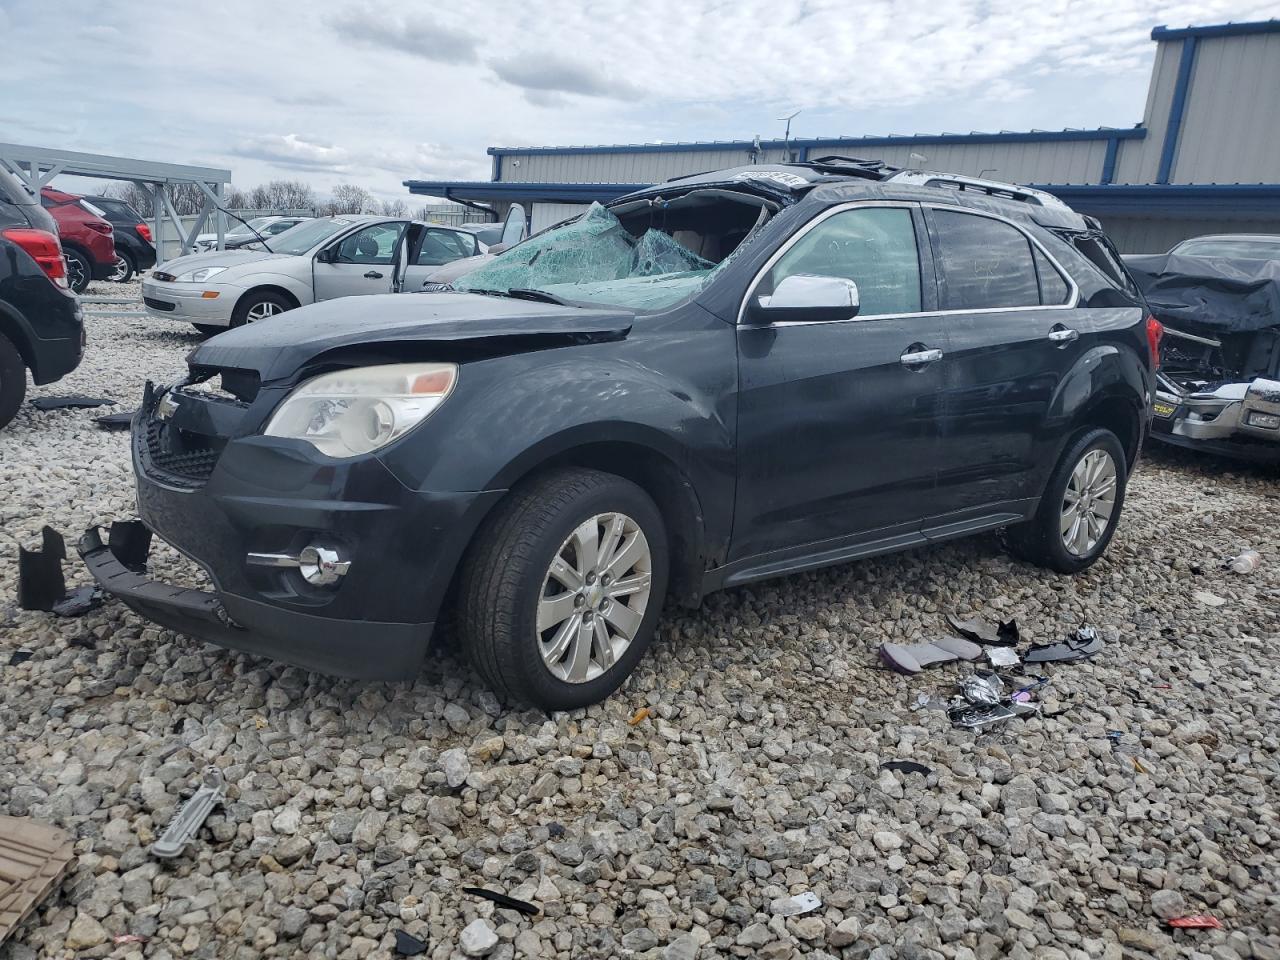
<point x="74" y="402"/>
<point x="20" y="656"/>
<point x="555" y="830"/>
<point x="502" y="900"/>
<point x="130" y="542"/>
<point x="1085" y="642"/>
<point x="115" y="421"/>
<point x="906" y="766"/>
<point x="40" y="580"/>
<point x="78" y="602"/>
<point x="1004" y="634"/>
<point x="975" y="717"/>
<point x="407" y="945"/>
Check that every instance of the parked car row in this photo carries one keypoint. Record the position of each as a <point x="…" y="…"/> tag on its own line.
<point x="250" y="232"/>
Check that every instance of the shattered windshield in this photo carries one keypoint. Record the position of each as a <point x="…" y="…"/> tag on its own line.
<point x="596" y="259"/>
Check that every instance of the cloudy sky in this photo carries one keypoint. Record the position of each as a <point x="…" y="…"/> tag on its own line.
<point x="376" y="93"/>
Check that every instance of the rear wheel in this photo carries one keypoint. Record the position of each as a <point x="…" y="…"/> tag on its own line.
<point x="13" y="380"/>
<point x="259" y="305"/>
<point x="79" y="269"/>
<point x="561" y="592"/>
<point x="1080" y="508"/>
<point x="123" y="270"/>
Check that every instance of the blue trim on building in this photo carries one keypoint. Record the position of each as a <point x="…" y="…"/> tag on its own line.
<point x="496" y="175"/>
<point x="510" y="191"/>
<point x="1109" y="161"/>
<point x="808" y="144"/>
<point x="1217" y="30"/>
<point x="1181" y="87"/>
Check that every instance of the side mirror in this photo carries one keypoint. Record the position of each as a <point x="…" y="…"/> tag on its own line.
<point x="803" y="298"/>
<point x="328" y="255"/>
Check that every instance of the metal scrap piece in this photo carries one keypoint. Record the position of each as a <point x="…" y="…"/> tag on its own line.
<point x="805" y="902"/>
<point x="192" y="815"/>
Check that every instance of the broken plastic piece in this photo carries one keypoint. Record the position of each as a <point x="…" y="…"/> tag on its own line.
<point x="1002" y="657"/>
<point x="805" y="902"/>
<point x="40" y="580"/>
<point x="555" y="830"/>
<point x="1084" y="643"/>
<point x="973" y="717"/>
<point x="1199" y="921"/>
<point x="982" y="689"/>
<point x="130" y="543"/>
<point x="20" y="656"/>
<point x="502" y="900"/>
<point x="120" y="938"/>
<point x="638" y="717"/>
<point x="115" y="421"/>
<point x="914" y="658"/>
<point x="407" y="945"/>
<point x="34" y="857"/>
<point x="182" y="828"/>
<point x="906" y="766"/>
<point x="1247" y="562"/>
<point x="74" y="402"/>
<point x="1003" y="634"/>
<point x="78" y="602"/>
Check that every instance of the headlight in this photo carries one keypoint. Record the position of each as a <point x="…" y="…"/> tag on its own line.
<point x="356" y="411"/>
<point x="200" y="275"/>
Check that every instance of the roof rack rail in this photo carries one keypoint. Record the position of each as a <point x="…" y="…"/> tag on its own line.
<point x="854" y="166"/>
<point x="992" y="188"/>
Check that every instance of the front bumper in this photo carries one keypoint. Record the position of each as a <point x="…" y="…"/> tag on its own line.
<point x="186" y="302"/>
<point x="361" y="649"/>
<point x="1241" y="418"/>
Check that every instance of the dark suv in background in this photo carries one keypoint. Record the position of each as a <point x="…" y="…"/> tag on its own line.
<point x="712" y="381"/>
<point x="40" y="327"/>
<point x="134" y="248"/>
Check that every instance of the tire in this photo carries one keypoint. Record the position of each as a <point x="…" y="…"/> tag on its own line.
<point x="507" y="583"/>
<point x="79" y="269"/>
<point x="1042" y="540"/>
<point x="209" y="330"/>
<point x="259" y="305"/>
<point x="124" y="268"/>
<point x="13" y="380"/>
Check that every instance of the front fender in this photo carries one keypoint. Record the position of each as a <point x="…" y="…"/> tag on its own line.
<point x="301" y="291"/>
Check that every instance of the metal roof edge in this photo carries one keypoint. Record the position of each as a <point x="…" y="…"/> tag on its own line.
<point x="1164" y="33"/>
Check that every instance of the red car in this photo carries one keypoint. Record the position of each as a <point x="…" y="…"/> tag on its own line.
<point x="88" y="239"/>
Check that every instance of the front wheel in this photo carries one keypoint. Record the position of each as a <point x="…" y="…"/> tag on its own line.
<point x="259" y="305"/>
<point x="13" y="380"/>
<point x="1080" y="508"/>
<point x="561" y="592"/>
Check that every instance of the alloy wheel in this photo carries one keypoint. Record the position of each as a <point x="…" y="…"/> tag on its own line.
<point x="76" y="277"/>
<point x="260" y="311"/>
<point x="594" y="597"/>
<point x="1088" y="503"/>
<point x="119" y="270"/>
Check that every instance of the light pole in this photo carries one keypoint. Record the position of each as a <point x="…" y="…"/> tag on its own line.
<point x="786" y="137"/>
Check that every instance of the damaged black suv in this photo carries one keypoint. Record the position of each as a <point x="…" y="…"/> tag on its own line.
<point x="719" y="379"/>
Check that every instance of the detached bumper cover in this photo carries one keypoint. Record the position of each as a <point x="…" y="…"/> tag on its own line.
<point x="1234" y="418"/>
<point x="347" y="648"/>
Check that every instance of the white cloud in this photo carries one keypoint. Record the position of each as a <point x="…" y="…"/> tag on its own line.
<point x="376" y="95"/>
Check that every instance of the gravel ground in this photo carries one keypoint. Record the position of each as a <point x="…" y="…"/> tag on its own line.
<point x="1150" y="790"/>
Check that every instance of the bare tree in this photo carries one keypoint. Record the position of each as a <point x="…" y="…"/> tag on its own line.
<point x="394" y="208"/>
<point x="348" y="198"/>
<point x="235" y="198"/>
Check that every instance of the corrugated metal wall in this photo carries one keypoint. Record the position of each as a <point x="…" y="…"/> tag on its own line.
<point x="1148" y="235"/>
<point x="1042" y="162"/>
<point x="544" y="215"/>
<point x="1231" y="125"/>
<point x="1139" y="160"/>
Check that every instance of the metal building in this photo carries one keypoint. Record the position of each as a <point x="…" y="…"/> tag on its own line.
<point x="1204" y="159"/>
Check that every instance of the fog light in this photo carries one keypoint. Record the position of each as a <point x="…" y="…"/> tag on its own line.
<point x="1268" y="421"/>
<point x="321" y="566"/>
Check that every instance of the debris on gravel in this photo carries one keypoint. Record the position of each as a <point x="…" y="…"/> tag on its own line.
<point x="1147" y="788"/>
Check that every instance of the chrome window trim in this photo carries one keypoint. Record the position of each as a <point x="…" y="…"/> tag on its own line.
<point x="1072" y="301"/>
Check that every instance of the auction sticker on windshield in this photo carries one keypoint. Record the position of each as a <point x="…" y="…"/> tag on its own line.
<point x="777" y="176"/>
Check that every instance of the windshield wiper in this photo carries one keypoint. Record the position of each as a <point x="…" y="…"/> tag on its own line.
<point x="528" y="293"/>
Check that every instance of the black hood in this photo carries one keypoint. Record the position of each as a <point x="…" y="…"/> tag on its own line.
<point x="278" y="347"/>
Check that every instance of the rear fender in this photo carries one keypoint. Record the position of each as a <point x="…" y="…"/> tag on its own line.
<point x="1107" y="378"/>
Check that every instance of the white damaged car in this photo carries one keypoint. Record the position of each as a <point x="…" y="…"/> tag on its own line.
<point x="322" y="259"/>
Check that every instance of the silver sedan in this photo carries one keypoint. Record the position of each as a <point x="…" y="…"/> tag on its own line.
<point x="320" y="259"/>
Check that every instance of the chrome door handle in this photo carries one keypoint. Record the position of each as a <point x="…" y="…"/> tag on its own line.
<point x="920" y="358"/>
<point x="373" y="275"/>
<point x="1063" y="335"/>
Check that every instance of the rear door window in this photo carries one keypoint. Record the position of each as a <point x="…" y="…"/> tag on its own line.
<point x="983" y="264"/>
<point x="875" y="247"/>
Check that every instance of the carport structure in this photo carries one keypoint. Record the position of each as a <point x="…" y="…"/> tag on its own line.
<point x="36" y="166"/>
